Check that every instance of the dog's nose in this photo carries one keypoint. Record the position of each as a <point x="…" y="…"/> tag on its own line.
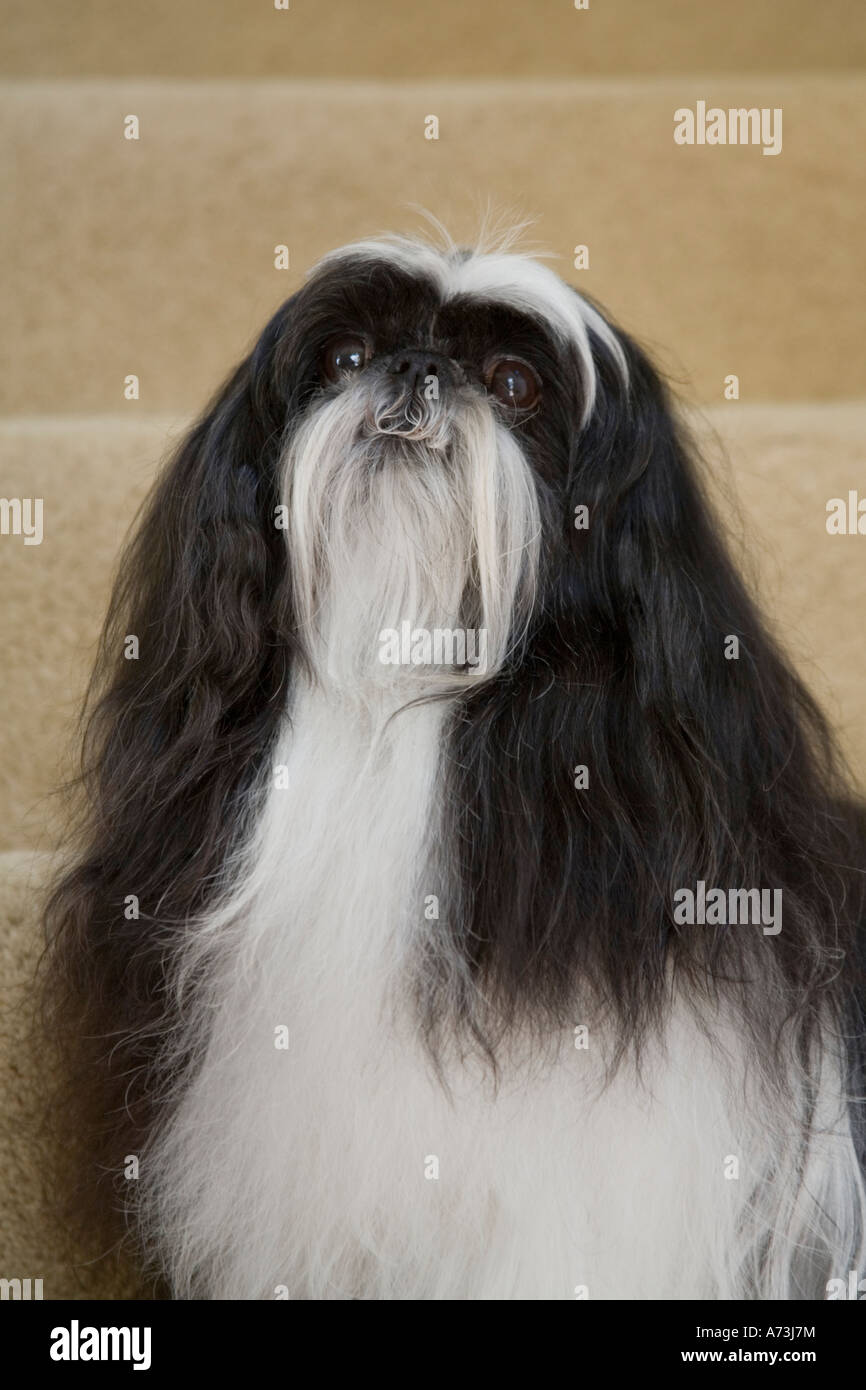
<point x="417" y="364"/>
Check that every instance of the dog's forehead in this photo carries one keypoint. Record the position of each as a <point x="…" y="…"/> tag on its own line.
<point x="518" y="282"/>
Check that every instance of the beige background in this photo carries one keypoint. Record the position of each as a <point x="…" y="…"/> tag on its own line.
<point x="306" y="128"/>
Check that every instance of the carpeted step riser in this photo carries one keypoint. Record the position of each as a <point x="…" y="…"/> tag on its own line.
<point x="492" y="38"/>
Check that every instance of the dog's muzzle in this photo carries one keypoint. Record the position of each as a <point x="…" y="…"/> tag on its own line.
<point x="415" y="394"/>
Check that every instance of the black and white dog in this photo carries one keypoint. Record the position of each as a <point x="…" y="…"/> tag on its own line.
<point x="469" y="900"/>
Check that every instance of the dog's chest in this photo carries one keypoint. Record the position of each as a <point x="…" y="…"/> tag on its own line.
<point x="340" y="1165"/>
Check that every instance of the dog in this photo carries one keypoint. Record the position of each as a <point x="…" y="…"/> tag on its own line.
<point x="372" y="966"/>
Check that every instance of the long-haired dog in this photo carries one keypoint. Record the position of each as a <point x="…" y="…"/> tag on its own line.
<point x="469" y="897"/>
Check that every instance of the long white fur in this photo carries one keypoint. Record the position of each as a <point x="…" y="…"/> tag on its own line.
<point x="344" y="1166"/>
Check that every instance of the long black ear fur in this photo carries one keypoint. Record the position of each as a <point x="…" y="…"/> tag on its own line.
<point x="700" y="766"/>
<point x="175" y="739"/>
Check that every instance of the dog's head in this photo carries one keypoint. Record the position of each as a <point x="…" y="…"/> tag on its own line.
<point x="415" y="418"/>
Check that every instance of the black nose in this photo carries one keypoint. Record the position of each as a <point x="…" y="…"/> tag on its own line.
<point x="417" y="364"/>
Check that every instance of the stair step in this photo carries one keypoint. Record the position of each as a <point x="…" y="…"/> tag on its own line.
<point x="491" y="38"/>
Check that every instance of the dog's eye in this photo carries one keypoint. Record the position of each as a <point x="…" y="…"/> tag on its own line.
<point x="513" y="382"/>
<point x="348" y="353"/>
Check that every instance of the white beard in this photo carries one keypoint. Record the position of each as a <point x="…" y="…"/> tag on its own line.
<point x="343" y="1166"/>
<point x="436" y="525"/>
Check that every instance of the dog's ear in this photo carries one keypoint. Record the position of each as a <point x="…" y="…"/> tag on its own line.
<point x="195" y="659"/>
<point x="649" y="735"/>
<point x="726" y="732"/>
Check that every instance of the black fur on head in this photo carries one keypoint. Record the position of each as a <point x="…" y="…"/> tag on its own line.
<point x="700" y="768"/>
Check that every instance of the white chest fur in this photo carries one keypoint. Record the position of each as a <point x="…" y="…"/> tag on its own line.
<point x="338" y="1165"/>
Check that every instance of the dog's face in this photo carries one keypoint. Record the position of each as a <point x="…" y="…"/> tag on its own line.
<point x="436" y="402"/>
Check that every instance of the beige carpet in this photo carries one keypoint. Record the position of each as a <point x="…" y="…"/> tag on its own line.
<point x="390" y="38"/>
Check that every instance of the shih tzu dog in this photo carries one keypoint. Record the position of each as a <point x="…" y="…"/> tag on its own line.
<point x="469" y="897"/>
